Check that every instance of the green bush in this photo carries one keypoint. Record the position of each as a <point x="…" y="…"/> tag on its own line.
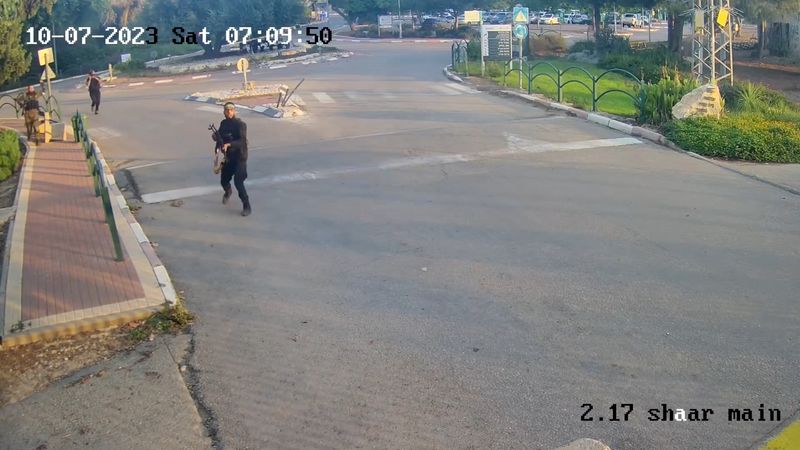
<point x="549" y="43"/>
<point x="608" y="42"/>
<point x="747" y="137"/>
<point x="583" y="46"/>
<point x="649" y="64"/>
<point x="753" y="98"/>
<point x="9" y="153"/>
<point x="660" y="98"/>
<point x="131" y="67"/>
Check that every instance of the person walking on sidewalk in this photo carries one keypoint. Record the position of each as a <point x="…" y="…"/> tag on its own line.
<point x="93" y="81"/>
<point x="233" y="133"/>
<point x="30" y="105"/>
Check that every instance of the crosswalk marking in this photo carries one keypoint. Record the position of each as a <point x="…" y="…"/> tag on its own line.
<point x="323" y="97"/>
<point x="353" y="95"/>
<point x="103" y="132"/>
<point x="207" y="108"/>
<point x="445" y="90"/>
<point x="298" y="100"/>
<point x="388" y="96"/>
<point x="462" y="88"/>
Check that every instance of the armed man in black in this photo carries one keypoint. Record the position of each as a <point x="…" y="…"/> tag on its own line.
<point x="233" y="132"/>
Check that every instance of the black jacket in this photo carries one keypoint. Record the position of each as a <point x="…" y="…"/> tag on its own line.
<point x="234" y="132"/>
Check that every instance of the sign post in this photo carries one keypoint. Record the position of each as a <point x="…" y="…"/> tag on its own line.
<point x="521" y="20"/>
<point x="241" y="65"/>
<point x="495" y="44"/>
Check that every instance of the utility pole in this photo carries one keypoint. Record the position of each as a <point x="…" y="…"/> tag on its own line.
<point x="712" y="41"/>
<point x="400" y="18"/>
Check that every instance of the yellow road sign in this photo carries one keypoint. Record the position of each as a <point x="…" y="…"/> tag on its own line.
<point x="47" y="71"/>
<point x="45" y="56"/>
<point x="722" y="18"/>
<point x="242" y="65"/>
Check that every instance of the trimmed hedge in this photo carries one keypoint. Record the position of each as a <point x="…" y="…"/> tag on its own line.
<point x="746" y="137"/>
<point x="9" y="153"/>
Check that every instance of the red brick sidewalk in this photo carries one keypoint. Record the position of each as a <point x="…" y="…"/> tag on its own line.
<point x="68" y="271"/>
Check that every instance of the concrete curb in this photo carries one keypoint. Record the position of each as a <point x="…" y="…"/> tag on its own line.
<point x="269" y="111"/>
<point x="119" y="203"/>
<point x="10" y="233"/>
<point x="79" y="326"/>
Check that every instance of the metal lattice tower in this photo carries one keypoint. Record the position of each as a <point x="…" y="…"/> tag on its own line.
<point x="712" y="44"/>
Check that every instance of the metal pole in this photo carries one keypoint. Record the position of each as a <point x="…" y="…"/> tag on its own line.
<point x="520" y="64"/>
<point x="711" y="10"/>
<point x="400" y="18"/>
<point x="55" y="55"/>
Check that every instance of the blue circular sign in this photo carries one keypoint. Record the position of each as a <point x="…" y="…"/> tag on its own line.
<point x="520" y="31"/>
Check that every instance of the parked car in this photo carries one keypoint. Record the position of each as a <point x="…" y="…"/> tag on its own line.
<point x="549" y="19"/>
<point x="631" y="21"/>
<point x="584" y="19"/>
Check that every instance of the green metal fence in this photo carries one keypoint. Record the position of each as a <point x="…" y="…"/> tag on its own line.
<point x="90" y="150"/>
<point x="459" y="55"/>
<point x="528" y="73"/>
<point x="8" y="100"/>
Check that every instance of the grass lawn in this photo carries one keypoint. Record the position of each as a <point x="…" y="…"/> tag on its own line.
<point x="574" y="93"/>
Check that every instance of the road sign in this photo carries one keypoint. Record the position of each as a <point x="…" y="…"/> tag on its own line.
<point x="125" y="57"/>
<point x="242" y="64"/>
<point x="472" y="17"/>
<point x="521" y="15"/>
<point x="520" y="31"/>
<point x="47" y="72"/>
<point x="495" y="43"/>
<point x="45" y="56"/>
<point x="385" y="21"/>
<point x="722" y="18"/>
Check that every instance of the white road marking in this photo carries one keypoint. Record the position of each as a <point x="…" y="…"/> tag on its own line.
<point x="515" y="145"/>
<point x="388" y="96"/>
<point x="353" y="95"/>
<point x="445" y="90"/>
<point x="164" y="81"/>
<point x="463" y="88"/>
<point x="136" y="84"/>
<point x="197" y="77"/>
<point x="323" y="97"/>
<point x="278" y="66"/>
<point x="142" y="166"/>
<point x="213" y="109"/>
<point x="103" y="132"/>
<point x="298" y="100"/>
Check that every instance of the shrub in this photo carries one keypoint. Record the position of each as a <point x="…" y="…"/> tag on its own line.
<point x="608" y="42"/>
<point x="646" y="64"/>
<point x="9" y="153"/>
<point x="494" y="70"/>
<point x="549" y="43"/>
<point x="660" y="98"/>
<point x="746" y="136"/>
<point x="583" y="46"/>
<point x="758" y="99"/>
<point x="130" y="68"/>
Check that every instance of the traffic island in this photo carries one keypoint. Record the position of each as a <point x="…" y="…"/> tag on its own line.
<point x="273" y="100"/>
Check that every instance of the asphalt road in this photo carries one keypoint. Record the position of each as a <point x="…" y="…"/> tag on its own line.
<point x="430" y="267"/>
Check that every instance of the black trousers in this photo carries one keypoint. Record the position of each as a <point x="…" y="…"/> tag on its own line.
<point x="95" y="96"/>
<point x="238" y="171"/>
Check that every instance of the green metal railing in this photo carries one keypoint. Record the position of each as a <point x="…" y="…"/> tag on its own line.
<point x="98" y="174"/>
<point x="8" y="100"/>
<point x="459" y="57"/>
<point x="556" y="75"/>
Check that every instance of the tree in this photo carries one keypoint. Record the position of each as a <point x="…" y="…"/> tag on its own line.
<point x="14" y="58"/>
<point x="350" y="10"/>
<point x="762" y="11"/>
<point x="218" y="16"/>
